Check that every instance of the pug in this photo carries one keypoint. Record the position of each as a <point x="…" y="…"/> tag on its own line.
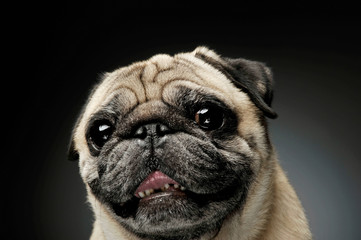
<point x="177" y="147"/>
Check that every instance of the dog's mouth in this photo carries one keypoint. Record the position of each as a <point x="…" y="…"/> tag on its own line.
<point x="161" y="205"/>
<point x="156" y="190"/>
<point x="158" y="185"/>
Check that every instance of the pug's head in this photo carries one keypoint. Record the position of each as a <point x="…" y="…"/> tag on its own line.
<point x="170" y="146"/>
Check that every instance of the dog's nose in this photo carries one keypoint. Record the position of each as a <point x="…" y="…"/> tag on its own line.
<point x="153" y="133"/>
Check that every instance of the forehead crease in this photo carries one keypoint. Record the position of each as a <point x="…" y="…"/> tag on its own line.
<point x="131" y="80"/>
<point x="205" y="75"/>
<point x="181" y="73"/>
<point x="179" y="92"/>
<point x="156" y="73"/>
<point x="121" y="85"/>
<point x="182" y="69"/>
<point x="122" y="101"/>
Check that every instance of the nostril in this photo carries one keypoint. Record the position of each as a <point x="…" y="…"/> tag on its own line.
<point x="153" y="130"/>
<point x="141" y="132"/>
<point x="162" y="130"/>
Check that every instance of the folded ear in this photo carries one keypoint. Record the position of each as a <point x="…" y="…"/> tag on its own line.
<point x="252" y="77"/>
<point x="73" y="154"/>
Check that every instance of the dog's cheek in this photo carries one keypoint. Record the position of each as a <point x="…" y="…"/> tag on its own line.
<point x="121" y="168"/>
<point x="88" y="167"/>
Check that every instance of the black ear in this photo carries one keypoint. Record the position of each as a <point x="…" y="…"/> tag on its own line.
<point x="73" y="154"/>
<point x="252" y="77"/>
<point x="255" y="79"/>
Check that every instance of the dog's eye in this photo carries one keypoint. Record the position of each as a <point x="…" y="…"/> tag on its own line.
<point x="209" y="118"/>
<point x="100" y="133"/>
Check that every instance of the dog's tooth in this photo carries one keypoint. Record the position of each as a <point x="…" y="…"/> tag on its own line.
<point x="149" y="191"/>
<point x="166" y="186"/>
<point x="141" y="194"/>
<point x="176" y="186"/>
<point x="183" y="188"/>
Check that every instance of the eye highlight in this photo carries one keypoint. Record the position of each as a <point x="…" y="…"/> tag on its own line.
<point x="209" y="118"/>
<point x="100" y="132"/>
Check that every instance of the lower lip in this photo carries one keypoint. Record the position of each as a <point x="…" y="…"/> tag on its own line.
<point x="163" y="195"/>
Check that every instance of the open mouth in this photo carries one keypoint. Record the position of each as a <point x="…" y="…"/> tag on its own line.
<point x="158" y="185"/>
<point x="161" y="205"/>
<point x="159" y="194"/>
<point x="157" y="189"/>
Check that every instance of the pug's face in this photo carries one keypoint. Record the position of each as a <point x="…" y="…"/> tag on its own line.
<point x="169" y="146"/>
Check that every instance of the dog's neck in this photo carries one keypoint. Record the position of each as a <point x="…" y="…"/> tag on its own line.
<point x="272" y="211"/>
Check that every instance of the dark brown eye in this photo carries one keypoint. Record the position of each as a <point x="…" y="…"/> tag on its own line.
<point x="209" y="118"/>
<point x="100" y="132"/>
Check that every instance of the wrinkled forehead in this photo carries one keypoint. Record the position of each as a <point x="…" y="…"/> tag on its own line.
<point x="157" y="79"/>
<point x="161" y="80"/>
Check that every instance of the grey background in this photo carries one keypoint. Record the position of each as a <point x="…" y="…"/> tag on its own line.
<point x="58" y="54"/>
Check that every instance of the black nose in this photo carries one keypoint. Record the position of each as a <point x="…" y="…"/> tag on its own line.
<point x="152" y="133"/>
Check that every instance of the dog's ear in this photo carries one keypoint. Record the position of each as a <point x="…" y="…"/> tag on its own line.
<point x="73" y="154"/>
<point x="252" y="77"/>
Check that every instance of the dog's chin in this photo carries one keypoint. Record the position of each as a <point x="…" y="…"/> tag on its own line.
<point x="177" y="214"/>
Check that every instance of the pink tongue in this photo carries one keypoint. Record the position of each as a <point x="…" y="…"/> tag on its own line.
<point x="155" y="180"/>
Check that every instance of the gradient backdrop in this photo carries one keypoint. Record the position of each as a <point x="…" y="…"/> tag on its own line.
<point x="59" y="52"/>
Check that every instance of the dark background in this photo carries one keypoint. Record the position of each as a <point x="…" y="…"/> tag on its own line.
<point x="56" y="52"/>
